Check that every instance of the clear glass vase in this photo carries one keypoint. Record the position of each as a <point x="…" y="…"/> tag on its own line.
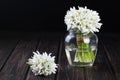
<point x="81" y="49"/>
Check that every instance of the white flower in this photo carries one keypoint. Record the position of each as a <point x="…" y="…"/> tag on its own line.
<point x="42" y="64"/>
<point x="83" y="19"/>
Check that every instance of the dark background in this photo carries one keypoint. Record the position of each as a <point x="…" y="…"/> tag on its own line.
<point x="48" y="15"/>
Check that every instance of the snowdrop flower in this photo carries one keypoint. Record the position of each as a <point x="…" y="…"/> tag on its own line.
<point x="83" y="19"/>
<point x="42" y="64"/>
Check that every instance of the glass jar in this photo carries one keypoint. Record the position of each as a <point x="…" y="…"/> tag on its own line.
<point x="81" y="49"/>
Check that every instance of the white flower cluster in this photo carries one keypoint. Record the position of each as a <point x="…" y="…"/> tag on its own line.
<point x="42" y="64"/>
<point x="83" y="19"/>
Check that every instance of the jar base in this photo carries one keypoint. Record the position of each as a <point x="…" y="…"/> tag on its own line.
<point x="81" y="65"/>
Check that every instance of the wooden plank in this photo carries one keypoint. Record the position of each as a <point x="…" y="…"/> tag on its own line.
<point x="112" y="47"/>
<point x="65" y="72"/>
<point x="101" y="69"/>
<point x="7" y="45"/>
<point x="16" y="67"/>
<point x="47" y="43"/>
<point x="31" y="76"/>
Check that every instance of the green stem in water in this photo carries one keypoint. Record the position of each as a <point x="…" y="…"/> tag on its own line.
<point x="83" y="53"/>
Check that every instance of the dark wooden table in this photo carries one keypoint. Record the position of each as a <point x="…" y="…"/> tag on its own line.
<point x="16" y="48"/>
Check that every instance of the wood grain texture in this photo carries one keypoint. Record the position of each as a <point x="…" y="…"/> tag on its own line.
<point x="16" y="67"/>
<point x="15" y="51"/>
<point x="111" y="45"/>
<point x="7" y="45"/>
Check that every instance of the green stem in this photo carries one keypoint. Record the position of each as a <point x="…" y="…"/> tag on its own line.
<point x="83" y="53"/>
